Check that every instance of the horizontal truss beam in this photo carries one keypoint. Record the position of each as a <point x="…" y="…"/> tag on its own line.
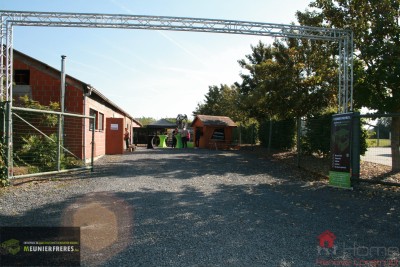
<point x="86" y="20"/>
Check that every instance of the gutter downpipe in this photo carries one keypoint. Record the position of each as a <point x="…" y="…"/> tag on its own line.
<point x="84" y="127"/>
<point x="61" y="116"/>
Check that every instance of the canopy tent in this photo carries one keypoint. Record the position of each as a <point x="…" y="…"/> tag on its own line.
<point x="161" y="124"/>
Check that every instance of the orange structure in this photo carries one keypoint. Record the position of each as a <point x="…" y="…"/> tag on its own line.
<point x="114" y="136"/>
<point x="214" y="131"/>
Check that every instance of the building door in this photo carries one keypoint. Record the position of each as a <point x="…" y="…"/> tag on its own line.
<point x="114" y="136"/>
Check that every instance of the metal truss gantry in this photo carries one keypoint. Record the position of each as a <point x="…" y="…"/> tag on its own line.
<point x="9" y="19"/>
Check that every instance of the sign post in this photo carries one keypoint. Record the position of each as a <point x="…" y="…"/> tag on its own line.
<point x="341" y="137"/>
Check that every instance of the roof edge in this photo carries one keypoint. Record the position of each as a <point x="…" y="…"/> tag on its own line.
<point x="84" y="85"/>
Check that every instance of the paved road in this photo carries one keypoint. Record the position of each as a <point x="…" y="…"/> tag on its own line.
<point x="380" y="155"/>
<point x="208" y="208"/>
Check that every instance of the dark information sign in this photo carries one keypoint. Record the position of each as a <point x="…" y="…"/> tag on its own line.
<point x="341" y="127"/>
<point x="39" y="246"/>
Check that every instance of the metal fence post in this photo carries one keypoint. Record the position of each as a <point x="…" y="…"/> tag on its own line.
<point x="298" y="145"/>
<point x="3" y="122"/>
<point x="3" y="145"/>
<point x="355" y="147"/>
<point x="240" y="134"/>
<point x="59" y="140"/>
<point x="8" y="140"/>
<point x="269" y="136"/>
<point x="93" y="129"/>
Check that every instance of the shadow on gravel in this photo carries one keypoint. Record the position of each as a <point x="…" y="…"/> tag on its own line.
<point x="187" y="164"/>
<point x="239" y="225"/>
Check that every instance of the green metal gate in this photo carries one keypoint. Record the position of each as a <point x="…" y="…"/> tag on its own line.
<point x="39" y="142"/>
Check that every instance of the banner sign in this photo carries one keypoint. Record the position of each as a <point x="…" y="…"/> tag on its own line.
<point x="39" y="246"/>
<point x="341" y="129"/>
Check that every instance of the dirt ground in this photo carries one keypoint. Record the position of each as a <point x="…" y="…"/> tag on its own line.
<point x="317" y="168"/>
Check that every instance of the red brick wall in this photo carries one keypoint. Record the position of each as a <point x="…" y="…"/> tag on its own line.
<point x="46" y="88"/>
<point x="100" y="135"/>
<point x="45" y="84"/>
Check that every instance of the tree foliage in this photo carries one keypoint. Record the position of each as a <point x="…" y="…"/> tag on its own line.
<point x="377" y="40"/>
<point x="38" y="151"/>
<point x="291" y="78"/>
<point x="45" y="119"/>
<point x="316" y="134"/>
<point x="221" y="101"/>
<point x="282" y="134"/>
<point x="376" y="28"/>
<point x="146" y="120"/>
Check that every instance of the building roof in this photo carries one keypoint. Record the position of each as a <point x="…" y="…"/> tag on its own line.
<point x="163" y="123"/>
<point x="85" y="87"/>
<point x="209" y="120"/>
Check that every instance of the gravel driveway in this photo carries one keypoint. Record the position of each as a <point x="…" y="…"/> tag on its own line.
<point x="166" y="207"/>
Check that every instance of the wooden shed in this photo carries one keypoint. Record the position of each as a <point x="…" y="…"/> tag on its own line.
<point x="214" y="131"/>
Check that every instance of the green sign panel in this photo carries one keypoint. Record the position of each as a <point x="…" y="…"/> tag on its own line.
<point x="339" y="175"/>
<point x="339" y="179"/>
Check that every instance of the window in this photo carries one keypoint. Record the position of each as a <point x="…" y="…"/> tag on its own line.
<point x="93" y="112"/>
<point x="21" y="77"/>
<point x="21" y="90"/>
<point x="218" y="134"/>
<point x="101" y="121"/>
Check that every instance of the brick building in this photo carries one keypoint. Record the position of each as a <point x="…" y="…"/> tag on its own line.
<point x="42" y="83"/>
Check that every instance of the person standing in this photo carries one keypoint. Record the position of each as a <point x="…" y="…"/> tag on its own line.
<point x="197" y="137"/>
<point x="174" y="138"/>
<point x="188" y="136"/>
<point x="126" y="138"/>
<point x="184" y="137"/>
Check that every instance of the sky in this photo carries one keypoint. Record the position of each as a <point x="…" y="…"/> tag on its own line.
<point x="149" y="73"/>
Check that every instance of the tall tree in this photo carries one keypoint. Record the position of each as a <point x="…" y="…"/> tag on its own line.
<point x="251" y="100"/>
<point x="376" y="28"/>
<point x="146" y="120"/>
<point x="220" y="101"/>
<point x="292" y="78"/>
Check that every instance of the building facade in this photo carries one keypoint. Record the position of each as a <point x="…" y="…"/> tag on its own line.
<point x="41" y="83"/>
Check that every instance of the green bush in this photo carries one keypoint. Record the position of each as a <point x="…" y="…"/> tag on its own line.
<point x="246" y="133"/>
<point x="70" y="162"/>
<point x="40" y="151"/>
<point x="283" y="133"/>
<point x="316" y="135"/>
<point x="3" y="167"/>
<point x="363" y="140"/>
<point x="41" y="154"/>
